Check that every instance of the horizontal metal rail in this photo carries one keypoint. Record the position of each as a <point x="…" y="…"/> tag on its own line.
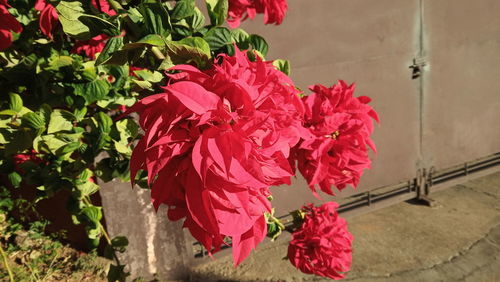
<point x="388" y="195"/>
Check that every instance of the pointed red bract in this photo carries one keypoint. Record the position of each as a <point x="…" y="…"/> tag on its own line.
<point x="322" y="245"/>
<point x="341" y="126"/>
<point x="48" y="17"/>
<point x="239" y="10"/>
<point x="214" y="142"/>
<point x="8" y="24"/>
<point x="90" y="47"/>
<point x="19" y="159"/>
<point x="104" y="7"/>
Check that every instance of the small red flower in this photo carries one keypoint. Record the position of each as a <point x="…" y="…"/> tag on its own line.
<point x="104" y="5"/>
<point x="132" y="69"/>
<point x="341" y="126"/>
<point x="122" y="108"/>
<point x="19" y="159"/>
<point x="274" y="11"/>
<point x="90" y="47"/>
<point x="48" y="17"/>
<point x="8" y="24"/>
<point x="322" y="245"/>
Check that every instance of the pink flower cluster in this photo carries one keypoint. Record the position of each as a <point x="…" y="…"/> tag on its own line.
<point x="341" y="125"/>
<point x="216" y="140"/>
<point x="274" y="11"/>
<point x="322" y="245"/>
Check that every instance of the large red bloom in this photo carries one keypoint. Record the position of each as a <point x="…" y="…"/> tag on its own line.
<point x="322" y="245"/>
<point x="8" y="24"/>
<point x="274" y="11"/>
<point x="48" y="17"/>
<point x="90" y="47"/>
<point x="341" y="125"/>
<point x="214" y="142"/>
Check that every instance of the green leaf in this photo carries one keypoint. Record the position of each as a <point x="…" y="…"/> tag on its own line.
<point x="282" y="65"/>
<point x="88" y="188"/>
<point x="241" y="38"/>
<point x="57" y="62"/>
<point x="93" y="233"/>
<point x="94" y="242"/>
<point x="156" y="18"/>
<point x="259" y="44"/>
<point x="218" y="37"/>
<point x="104" y="122"/>
<point x="148" y="40"/>
<point x="60" y="120"/>
<point x="85" y="175"/>
<point x="197" y="20"/>
<point x="123" y="148"/>
<point x="103" y="170"/>
<point x="80" y="113"/>
<point x="93" y="214"/>
<point x="19" y="140"/>
<point x="183" y="9"/>
<point x="188" y="50"/>
<point x="15" y="179"/>
<point x="50" y="142"/>
<point x="127" y="128"/>
<point x="8" y="113"/>
<point x="92" y="91"/>
<point x="45" y="110"/>
<point x="147" y="75"/>
<point x="197" y="42"/>
<point x="217" y="11"/>
<point x="69" y="12"/>
<point x="114" y="44"/>
<point x="68" y="148"/>
<point x="153" y="40"/>
<point x="16" y="103"/>
<point x="98" y="25"/>
<point x="34" y="121"/>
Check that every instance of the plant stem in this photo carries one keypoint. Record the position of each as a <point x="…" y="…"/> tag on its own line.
<point x="6" y="263"/>
<point x="87" y="201"/>
<point x="158" y="54"/>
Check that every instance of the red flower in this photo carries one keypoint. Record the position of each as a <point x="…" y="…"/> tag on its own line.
<point x="48" y="17"/>
<point x="274" y="11"/>
<point x="122" y="108"/>
<point x="104" y="7"/>
<point x="19" y="159"/>
<point x="341" y="125"/>
<point x="90" y="47"/>
<point x="322" y="245"/>
<point x="216" y="140"/>
<point x="132" y="69"/>
<point x="8" y="24"/>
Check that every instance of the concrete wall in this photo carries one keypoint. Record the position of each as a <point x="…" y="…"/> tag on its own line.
<point x="448" y="115"/>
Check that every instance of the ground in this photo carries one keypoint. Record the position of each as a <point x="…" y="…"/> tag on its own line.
<point x="458" y="240"/>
